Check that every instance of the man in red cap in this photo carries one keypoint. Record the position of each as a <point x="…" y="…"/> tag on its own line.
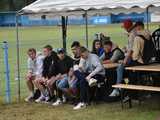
<point x="130" y="29"/>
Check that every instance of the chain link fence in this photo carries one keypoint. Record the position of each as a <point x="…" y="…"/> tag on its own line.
<point x="25" y="44"/>
<point x="38" y="37"/>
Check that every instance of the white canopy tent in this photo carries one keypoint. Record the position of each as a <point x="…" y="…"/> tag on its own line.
<point x="62" y="7"/>
<point x="65" y="8"/>
<point x="89" y="7"/>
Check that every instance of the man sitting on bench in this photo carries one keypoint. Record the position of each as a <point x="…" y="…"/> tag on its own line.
<point x="112" y="54"/>
<point x="88" y="73"/>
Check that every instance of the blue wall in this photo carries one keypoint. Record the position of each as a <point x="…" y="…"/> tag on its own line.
<point x="134" y="16"/>
<point x="8" y="19"/>
<point x="25" y="21"/>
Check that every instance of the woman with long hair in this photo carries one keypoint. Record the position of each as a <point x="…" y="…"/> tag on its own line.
<point x="97" y="47"/>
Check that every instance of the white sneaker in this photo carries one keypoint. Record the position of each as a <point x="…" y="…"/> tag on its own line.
<point x="46" y="101"/>
<point x="57" y="103"/>
<point x="114" y="93"/>
<point x="64" y="99"/>
<point x="29" y="98"/>
<point x="92" y="82"/>
<point x="79" y="106"/>
<point x="40" y="99"/>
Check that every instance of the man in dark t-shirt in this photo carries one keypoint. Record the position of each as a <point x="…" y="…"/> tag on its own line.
<point x="49" y="72"/>
<point x="65" y="63"/>
<point x="75" y="47"/>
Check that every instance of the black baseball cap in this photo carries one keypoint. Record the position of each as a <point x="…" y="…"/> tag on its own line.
<point x="60" y="50"/>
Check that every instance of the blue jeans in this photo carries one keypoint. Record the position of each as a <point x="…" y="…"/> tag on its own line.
<point x="63" y="83"/>
<point x="120" y="70"/>
<point x="83" y="85"/>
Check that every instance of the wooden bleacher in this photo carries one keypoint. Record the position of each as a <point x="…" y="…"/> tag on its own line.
<point x="137" y="87"/>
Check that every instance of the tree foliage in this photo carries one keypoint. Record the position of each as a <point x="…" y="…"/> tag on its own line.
<point x="13" y="5"/>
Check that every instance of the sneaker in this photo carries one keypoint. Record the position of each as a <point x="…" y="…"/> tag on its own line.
<point x="29" y="98"/>
<point x="49" y="100"/>
<point x="40" y="99"/>
<point x="37" y="94"/>
<point x="79" y="106"/>
<point x="126" y="99"/>
<point x="114" y="93"/>
<point x="64" y="99"/>
<point x="57" y="103"/>
<point x="92" y="82"/>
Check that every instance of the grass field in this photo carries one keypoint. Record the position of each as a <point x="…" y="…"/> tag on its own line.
<point x="38" y="37"/>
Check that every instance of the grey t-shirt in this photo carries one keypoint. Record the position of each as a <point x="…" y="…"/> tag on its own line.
<point x="92" y="65"/>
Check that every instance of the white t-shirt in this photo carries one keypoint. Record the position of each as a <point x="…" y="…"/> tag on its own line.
<point x="36" y="66"/>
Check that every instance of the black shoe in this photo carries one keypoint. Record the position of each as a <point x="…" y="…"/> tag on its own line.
<point x="37" y="94"/>
<point x="126" y="99"/>
<point x="51" y="99"/>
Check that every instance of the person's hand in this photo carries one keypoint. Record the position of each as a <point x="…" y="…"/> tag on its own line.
<point x="38" y="76"/>
<point x="106" y="62"/>
<point x="58" y="77"/>
<point x="125" y="61"/>
<point x="42" y="80"/>
<point x="88" y="77"/>
<point x="46" y="82"/>
<point x="75" y="67"/>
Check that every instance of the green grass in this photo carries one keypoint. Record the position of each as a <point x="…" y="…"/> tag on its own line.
<point x="38" y="37"/>
<point x="108" y="111"/>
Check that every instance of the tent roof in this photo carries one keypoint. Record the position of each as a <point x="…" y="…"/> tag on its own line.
<point x="67" y="7"/>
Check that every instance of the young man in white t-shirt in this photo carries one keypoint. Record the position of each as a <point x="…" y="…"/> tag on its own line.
<point x="35" y="65"/>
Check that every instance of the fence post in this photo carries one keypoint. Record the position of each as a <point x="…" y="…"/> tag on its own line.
<point x="7" y="72"/>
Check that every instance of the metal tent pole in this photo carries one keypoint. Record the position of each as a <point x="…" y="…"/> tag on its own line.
<point x="147" y="12"/>
<point x="64" y="31"/>
<point x="86" y="24"/>
<point x="18" y="58"/>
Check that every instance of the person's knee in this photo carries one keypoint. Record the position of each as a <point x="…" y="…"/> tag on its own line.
<point x="61" y="85"/>
<point x="36" y="81"/>
<point x="50" y="84"/>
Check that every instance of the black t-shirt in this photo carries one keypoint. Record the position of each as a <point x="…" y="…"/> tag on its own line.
<point x="76" y="60"/>
<point x="49" y="65"/>
<point x="65" y="64"/>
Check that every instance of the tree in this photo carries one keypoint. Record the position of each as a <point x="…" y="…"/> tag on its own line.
<point x="14" y="5"/>
<point x="27" y="2"/>
<point x="3" y="5"/>
<point x="11" y="5"/>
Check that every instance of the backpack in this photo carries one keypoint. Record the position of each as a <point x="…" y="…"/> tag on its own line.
<point x="156" y="40"/>
<point x="148" y="50"/>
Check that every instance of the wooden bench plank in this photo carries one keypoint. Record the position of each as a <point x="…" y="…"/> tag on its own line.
<point x="110" y="65"/>
<point x="137" y="87"/>
<point x="150" y="68"/>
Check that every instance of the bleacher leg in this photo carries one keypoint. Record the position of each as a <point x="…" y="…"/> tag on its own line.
<point x="121" y="92"/>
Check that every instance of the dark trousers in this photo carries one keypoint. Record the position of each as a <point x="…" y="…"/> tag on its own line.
<point x="83" y="85"/>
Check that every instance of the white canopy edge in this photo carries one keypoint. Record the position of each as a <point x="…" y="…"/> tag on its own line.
<point x="77" y="7"/>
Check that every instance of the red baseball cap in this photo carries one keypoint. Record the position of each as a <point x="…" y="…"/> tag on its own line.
<point x="127" y="24"/>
